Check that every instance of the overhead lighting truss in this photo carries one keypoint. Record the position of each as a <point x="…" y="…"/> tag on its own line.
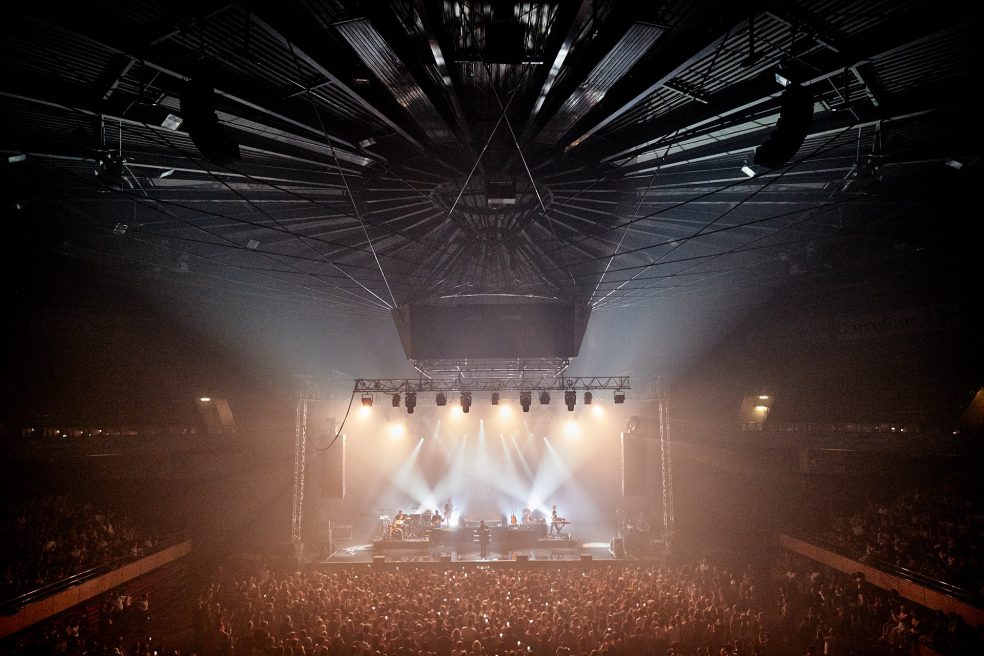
<point x="493" y="368"/>
<point x="490" y="384"/>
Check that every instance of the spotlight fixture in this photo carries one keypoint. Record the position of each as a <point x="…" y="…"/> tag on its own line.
<point x="588" y="396"/>
<point x="411" y="402"/>
<point x="619" y="396"/>
<point x="396" y="400"/>
<point x="525" y="398"/>
<point x="442" y="399"/>
<point x="544" y="397"/>
<point x="570" y="399"/>
<point x="495" y="398"/>
<point x="465" y="401"/>
<point x="367" y="400"/>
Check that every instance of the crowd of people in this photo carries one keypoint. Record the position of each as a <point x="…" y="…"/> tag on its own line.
<point x="934" y="532"/>
<point x="118" y="625"/>
<point x="836" y="613"/>
<point x="49" y="538"/>
<point x="697" y="609"/>
<point x="694" y="610"/>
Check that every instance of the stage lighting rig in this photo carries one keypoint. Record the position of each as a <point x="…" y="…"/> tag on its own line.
<point x="543" y="385"/>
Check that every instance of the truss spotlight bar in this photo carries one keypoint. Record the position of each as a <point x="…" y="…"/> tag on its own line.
<point x="588" y="397"/>
<point x="396" y="400"/>
<point x="442" y="399"/>
<point x="466" y="401"/>
<point x="367" y="400"/>
<point x="525" y="398"/>
<point x="619" y="396"/>
<point x="410" y="401"/>
<point x="544" y="397"/>
<point x="570" y="400"/>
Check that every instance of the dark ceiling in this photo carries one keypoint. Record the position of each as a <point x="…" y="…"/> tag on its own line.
<point x="370" y="134"/>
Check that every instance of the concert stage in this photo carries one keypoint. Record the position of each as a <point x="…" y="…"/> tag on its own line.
<point x="500" y="538"/>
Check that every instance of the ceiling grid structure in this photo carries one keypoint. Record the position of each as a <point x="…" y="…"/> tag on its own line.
<point x="422" y="151"/>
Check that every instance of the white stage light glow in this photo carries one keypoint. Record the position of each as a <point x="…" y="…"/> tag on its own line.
<point x="456" y="411"/>
<point x="365" y="411"/>
<point x="572" y="429"/>
<point x="597" y="410"/>
<point x="396" y="430"/>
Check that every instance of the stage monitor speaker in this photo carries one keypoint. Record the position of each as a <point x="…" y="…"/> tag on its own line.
<point x="633" y="465"/>
<point x="379" y="560"/>
<point x="445" y="558"/>
<point x="795" y="116"/>
<point x="333" y="469"/>
<point x="586" y="557"/>
<point x="198" y="116"/>
<point x="522" y="558"/>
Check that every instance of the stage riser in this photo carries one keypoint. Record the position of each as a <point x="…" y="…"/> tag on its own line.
<point x="500" y="540"/>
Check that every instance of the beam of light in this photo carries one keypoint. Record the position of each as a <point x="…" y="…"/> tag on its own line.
<point x="514" y="484"/>
<point x="522" y="458"/>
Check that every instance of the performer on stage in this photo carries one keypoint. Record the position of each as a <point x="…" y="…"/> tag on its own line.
<point x="436" y="519"/>
<point x="397" y="530"/>
<point x="448" y="508"/>
<point x="557" y="522"/>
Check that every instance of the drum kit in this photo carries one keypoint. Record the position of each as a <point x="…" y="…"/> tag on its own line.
<point x="411" y="526"/>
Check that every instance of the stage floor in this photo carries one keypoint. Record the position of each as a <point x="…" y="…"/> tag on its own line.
<point x="425" y="551"/>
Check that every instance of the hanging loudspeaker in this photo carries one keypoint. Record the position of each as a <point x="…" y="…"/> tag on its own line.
<point x="633" y="466"/>
<point x="795" y="116"/>
<point x="198" y="115"/>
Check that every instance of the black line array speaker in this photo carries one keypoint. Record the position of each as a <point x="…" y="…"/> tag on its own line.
<point x="633" y="465"/>
<point x="333" y="469"/>
<point x="198" y="116"/>
<point x="217" y="416"/>
<point x="795" y="116"/>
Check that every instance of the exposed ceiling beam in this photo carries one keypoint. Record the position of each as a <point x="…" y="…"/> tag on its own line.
<point x="678" y="56"/>
<point x="303" y="55"/>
